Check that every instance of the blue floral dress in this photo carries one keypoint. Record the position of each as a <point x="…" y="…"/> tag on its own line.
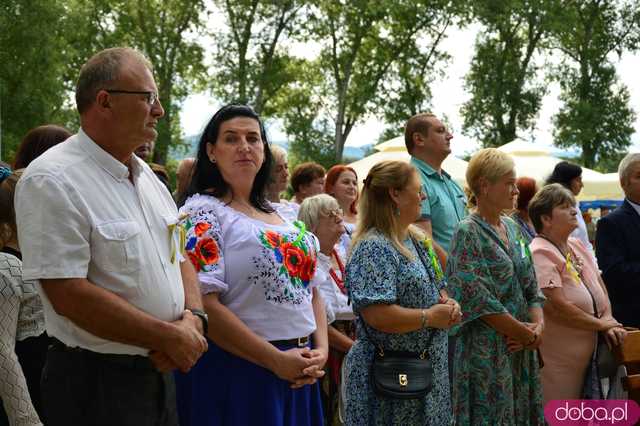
<point x="378" y="274"/>
<point x="492" y="386"/>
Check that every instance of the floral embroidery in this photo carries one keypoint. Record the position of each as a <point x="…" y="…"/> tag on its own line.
<point x="203" y="253"/>
<point x="201" y="228"/>
<point x="298" y="262"/>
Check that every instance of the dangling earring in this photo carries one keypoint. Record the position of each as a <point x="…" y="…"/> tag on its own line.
<point x="212" y="159"/>
<point x="396" y="211"/>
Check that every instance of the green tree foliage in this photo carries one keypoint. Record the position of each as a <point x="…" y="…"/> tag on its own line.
<point x="310" y="136"/>
<point x="251" y="65"/>
<point x="505" y="97"/>
<point x="32" y="63"/>
<point x="44" y="44"/>
<point x="361" y="41"/>
<point x="166" y="31"/>
<point x="409" y="91"/>
<point x="596" y="116"/>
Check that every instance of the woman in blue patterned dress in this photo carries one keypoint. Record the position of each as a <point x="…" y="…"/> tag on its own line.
<point x="496" y="379"/>
<point x="268" y="333"/>
<point x="400" y="302"/>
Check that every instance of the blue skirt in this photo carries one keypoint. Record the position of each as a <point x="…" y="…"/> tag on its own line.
<point x="224" y="390"/>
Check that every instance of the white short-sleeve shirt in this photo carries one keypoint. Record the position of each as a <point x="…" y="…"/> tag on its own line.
<point x="79" y="216"/>
<point x="262" y="272"/>
<point x="335" y="301"/>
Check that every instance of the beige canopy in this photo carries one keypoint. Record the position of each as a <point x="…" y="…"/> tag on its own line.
<point x="537" y="162"/>
<point x="530" y="159"/>
<point x="395" y="149"/>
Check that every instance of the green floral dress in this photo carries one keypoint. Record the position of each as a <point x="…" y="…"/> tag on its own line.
<point x="490" y="385"/>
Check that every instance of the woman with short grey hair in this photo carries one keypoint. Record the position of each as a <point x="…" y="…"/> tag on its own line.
<point x="323" y="216"/>
<point x="577" y="305"/>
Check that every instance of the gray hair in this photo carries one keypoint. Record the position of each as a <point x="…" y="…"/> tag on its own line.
<point x="624" y="169"/>
<point x="278" y="152"/>
<point x="312" y="207"/>
<point x="100" y="71"/>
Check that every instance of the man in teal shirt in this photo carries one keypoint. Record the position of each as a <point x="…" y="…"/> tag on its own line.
<point x="429" y="142"/>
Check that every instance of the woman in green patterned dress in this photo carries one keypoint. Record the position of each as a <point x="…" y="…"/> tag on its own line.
<point x="495" y="368"/>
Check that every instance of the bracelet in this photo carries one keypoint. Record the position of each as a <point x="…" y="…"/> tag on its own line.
<point x="423" y="319"/>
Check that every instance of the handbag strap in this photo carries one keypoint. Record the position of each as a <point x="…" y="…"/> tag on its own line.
<point x="428" y="344"/>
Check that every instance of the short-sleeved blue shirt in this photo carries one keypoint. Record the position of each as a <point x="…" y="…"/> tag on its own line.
<point x="445" y="205"/>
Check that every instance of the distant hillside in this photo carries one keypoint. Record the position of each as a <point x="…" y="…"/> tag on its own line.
<point x="351" y="153"/>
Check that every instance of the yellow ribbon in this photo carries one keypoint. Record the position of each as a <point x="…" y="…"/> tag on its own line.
<point x="182" y="237"/>
<point x="435" y="263"/>
<point x="572" y="270"/>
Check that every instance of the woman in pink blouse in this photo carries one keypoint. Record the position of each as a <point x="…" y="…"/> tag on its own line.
<point x="569" y="278"/>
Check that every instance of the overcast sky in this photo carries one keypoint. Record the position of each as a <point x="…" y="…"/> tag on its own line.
<point x="448" y="96"/>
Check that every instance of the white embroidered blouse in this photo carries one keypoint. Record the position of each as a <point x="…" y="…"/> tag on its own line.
<point x="262" y="272"/>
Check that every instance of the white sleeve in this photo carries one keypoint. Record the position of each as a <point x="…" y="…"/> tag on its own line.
<point x="53" y="232"/>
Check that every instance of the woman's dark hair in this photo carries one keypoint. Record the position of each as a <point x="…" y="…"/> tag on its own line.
<point x="207" y="178"/>
<point x="8" y="230"/>
<point x="37" y="141"/>
<point x="564" y="173"/>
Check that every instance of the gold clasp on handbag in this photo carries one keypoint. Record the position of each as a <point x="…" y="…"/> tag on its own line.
<point x="381" y="351"/>
<point x="423" y="355"/>
<point x="403" y="380"/>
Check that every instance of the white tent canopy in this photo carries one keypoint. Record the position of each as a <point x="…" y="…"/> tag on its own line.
<point x="530" y="159"/>
<point x="395" y="149"/>
<point x="537" y="162"/>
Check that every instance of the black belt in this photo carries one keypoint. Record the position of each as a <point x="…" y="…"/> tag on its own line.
<point x="134" y="362"/>
<point x="299" y="342"/>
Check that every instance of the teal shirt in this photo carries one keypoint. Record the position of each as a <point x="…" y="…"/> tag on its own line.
<point x="445" y="205"/>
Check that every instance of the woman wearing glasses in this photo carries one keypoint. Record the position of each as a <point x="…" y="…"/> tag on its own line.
<point x="401" y="303"/>
<point x="268" y="336"/>
<point x="577" y="306"/>
<point x="323" y="216"/>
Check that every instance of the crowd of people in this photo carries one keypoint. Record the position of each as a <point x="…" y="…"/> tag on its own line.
<point x="409" y="301"/>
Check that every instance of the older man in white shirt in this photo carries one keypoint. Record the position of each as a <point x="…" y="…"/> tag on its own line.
<point x="99" y="232"/>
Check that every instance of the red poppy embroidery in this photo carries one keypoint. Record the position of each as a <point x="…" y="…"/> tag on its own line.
<point x="201" y="228"/>
<point x="308" y="269"/>
<point x="194" y="260"/>
<point x="208" y="251"/>
<point x="273" y="239"/>
<point x="293" y="258"/>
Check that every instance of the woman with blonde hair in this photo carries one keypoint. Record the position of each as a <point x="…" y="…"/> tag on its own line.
<point x="401" y="304"/>
<point x="495" y="367"/>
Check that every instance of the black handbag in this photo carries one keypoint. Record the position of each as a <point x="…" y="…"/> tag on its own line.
<point x="400" y="374"/>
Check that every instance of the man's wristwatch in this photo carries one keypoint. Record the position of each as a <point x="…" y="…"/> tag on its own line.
<point x="203" y="317"/>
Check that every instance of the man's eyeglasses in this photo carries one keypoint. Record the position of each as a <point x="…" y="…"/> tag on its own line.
<point x="152" y="97"/>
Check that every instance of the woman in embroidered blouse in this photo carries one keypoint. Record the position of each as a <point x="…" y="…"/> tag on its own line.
<point x="323" y="216"/>
<point x="400" y="303"/>
<point x="268" y="325"/>
<point x="341" y="183"/>
<point x="495" y="368"/>
<point x="570" y="280"/>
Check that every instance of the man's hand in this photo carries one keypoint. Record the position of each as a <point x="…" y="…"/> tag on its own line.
<point x="186" y="344"/>
<point x="162" y="362"/>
